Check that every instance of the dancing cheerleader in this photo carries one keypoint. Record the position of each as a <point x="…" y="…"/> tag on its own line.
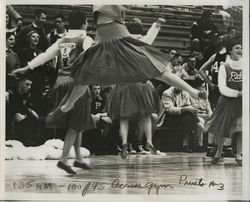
<point x="79" y="117"/>
<point x="117" y="58"/>
<point x="227" y="117"/>
<point x="135" y="101"/>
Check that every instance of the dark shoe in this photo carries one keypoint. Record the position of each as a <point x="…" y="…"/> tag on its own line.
<point x="54" y="115"/>
<point x="211" y="151"/>
<point x="151" y="148"/>
<point x="66" y="168"/>
<point x="139" y="150"/>
<point x="81" y="165"/>
<point x="124" y="151"/>
<point x="228" y="153"/>
<point x="186" y="149"/>
<point x="130" y="149"/>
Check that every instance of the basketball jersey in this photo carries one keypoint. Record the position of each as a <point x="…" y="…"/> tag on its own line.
<point x="218" y="61"/>
<point x="54" y="37"/>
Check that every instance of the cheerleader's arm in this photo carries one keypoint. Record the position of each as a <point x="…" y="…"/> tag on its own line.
<point x="88" y="41"/>
<point x="153" y="31"/>
<point x="222" y="83"/>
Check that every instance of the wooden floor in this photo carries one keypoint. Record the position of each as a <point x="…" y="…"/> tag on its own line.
<point x="158" y="175"/>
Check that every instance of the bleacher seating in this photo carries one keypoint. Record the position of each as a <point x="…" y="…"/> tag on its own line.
<point x="175" y="34"/>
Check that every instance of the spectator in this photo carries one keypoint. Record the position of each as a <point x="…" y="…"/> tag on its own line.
<point x="193" y="73"/>
<point x="12" y="61"/>
<point x="199" y="58"/>
<point x="231" y="33"/>
<point x="59" y="30"/>
<point x="214" y="48"/>
<point x="52" y="37"/>
<point x="203" y="31"/>
<point x="179" y="111"/>
<point x="95" y="138"/>
<point x="38" y="26"/>
<point x="177" y="69"/>
<point x="25" y="119"/>
<point x="171" y="53"/>
<point x="30" y="51"/>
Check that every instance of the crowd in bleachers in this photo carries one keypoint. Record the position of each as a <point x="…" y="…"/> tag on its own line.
<point x="27" y="94"/>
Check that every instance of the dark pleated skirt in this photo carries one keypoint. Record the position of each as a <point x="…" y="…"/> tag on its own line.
<point x="117" y="58"/>
<point x="79" y="118"/>
<point x="132" y="101"/>
<point x="227" y="117"/>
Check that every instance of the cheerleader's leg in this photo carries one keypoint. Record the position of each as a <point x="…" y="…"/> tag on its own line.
<point x="146" y="124"/>
<point x="77" y="145"/>
<point x="124" y="127"/>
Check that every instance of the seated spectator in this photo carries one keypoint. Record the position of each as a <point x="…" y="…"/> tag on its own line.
<point x="38" y="26"/>
<point x="171" y="54"/>
<point x="12" y="61"/>
<point x="177" y="69"/>
<point x="199" y="58"/>
<point x="25" y="119"/>
<point x="98" y="106"/>
<point x="203" y="31"/>
<point x="204" y="112"/>
<point x="95" y="138"/>
<point x="179" y="111"/>
<point x="192" y="72"/>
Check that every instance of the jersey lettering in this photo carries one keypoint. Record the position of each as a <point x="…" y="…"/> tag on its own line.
<point x="65" y="50"/>
<point x="235" y="77"/>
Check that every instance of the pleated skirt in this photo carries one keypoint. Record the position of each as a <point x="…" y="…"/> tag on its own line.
<point x="118" y="58"/>
<point x="79" y="117"/>
<point x="132" y="101"/>
<point x="227" y="117"/>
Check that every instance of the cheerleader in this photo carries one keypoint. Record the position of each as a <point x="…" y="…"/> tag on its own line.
<point x="117" y="58"/>
<point x="227" y="117"/>
<point x="135" y="100"/>
<point x="79" y="117"/>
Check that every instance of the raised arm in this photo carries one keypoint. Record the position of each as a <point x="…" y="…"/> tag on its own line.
<point x="153" y="31"/>
<point x="49" y="54"/>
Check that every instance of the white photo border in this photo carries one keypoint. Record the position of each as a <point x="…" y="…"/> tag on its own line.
<point x="246" y="142"/>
